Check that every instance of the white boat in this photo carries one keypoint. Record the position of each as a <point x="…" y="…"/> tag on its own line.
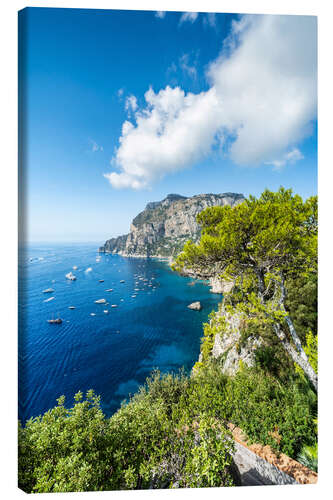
<point x="114" y="305"/>
<point x="71" y="307"/>
<point x="100" y="301"/>
<point x="49" y="299"/>
<point x="92" y="314"/>
<point x="48" y="290"/>
<point x="109" y="290"/>
<point x="122" y="281"/>
<point x="106" y="311"/>
<point x="70" y="276"/>
<point x="75" y="268"/>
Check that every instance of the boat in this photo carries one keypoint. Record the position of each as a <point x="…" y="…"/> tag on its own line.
<point x="48" y="290"/>
<point x="55" y="321"/>
<point x="92" y="314"/>
<point x="101" y="281"/>
<point x="49" y="299"/>
<point x="75" y="268"/>
<point x="122" y="281"/>
<point x="109" y="290"/>
<point x="71" y="307"/>
<point x="114" y="305"/>
<point x="100" y="301"/>
<point x="70" y="276"/>
<point x="106" y="311"/>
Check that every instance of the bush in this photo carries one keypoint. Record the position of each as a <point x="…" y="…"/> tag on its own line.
<point x="270" y="412"/>
<point x="157" y="440"/>
<point x="172" y="433"/>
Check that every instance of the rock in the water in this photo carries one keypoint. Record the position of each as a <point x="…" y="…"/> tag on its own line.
<point x="196" y="306"/>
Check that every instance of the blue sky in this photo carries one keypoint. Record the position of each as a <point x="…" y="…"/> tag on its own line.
<point x="165" y="103"/>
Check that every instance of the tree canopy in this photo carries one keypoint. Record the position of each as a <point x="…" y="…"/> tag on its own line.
<point x="276" y="232"/>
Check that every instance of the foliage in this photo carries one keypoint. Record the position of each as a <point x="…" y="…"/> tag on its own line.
<point x="65" y="449"/>
<point x="172" y="433"/>
<point x="308" y="456"/>
<point x="274" y="232"/>
<point x="311" y="350"/>
<point x="264" y="408"/>
<point x="157" y="440"/>
<point x="301" y="302"/>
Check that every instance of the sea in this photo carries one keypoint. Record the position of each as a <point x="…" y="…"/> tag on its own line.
<point x="111" y="350"/>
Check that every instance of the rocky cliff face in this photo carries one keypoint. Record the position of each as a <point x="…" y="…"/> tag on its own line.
<point x="228" y="346"/>
<point x="164" y="226"/>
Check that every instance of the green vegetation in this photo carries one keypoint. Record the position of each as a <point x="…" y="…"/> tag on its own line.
<point x="162" y="438"/>
<point x="263" y="245"/>
<point x="171" y="434"/>
<point x="174" y="431"/>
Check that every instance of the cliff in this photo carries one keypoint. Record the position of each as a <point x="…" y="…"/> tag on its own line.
<point x="223" y="341"/>
<point x="164" y="226"/>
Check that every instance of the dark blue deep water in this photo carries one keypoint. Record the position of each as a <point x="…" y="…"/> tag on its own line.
<point x="111" y="353"/>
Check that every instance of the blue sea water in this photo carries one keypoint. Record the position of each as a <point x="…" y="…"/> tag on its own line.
<point x="111" y="353"/>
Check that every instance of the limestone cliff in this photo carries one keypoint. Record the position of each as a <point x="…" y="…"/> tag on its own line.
<point x="164" y="226"/>
<point x="228" y="345"/>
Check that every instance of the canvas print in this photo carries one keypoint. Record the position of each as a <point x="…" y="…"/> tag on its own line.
<point x="167" y="250"/>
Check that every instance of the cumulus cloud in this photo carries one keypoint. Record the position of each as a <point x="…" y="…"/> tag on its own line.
<point x="160" y="14"/>
<point x="260" y="104"/>
<point x="131" y="103"/>
<point x="188" y="16"/>
<point x="290" y="157"/>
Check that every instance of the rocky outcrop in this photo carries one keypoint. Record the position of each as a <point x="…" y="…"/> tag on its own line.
<point x="164" y="226"/>
<point x="228" y="345"/>
<point x="218" y="285"/>
<point x="196" y="306"/>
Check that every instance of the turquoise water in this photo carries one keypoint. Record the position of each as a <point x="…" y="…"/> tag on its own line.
<point x="112" y="352"/>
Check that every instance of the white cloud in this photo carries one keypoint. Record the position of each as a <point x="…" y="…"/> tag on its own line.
<point x="160" y="14"/>
<point x="291" y="157"/>
<point x="188" y="16"/>
<point x="260" y="104"/>
<point x="184" y="63"/>
<point x="210" y="20"/>
<point x="95" y="147"/>
<point x="131" y="103"/>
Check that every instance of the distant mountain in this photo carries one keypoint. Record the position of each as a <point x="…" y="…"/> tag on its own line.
<point x="164" y="226"/>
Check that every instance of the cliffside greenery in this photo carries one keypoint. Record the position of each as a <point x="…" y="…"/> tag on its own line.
<point x="262" y="245"/>
<point x="161" y="439"/>
<point x="173" y="433"/>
